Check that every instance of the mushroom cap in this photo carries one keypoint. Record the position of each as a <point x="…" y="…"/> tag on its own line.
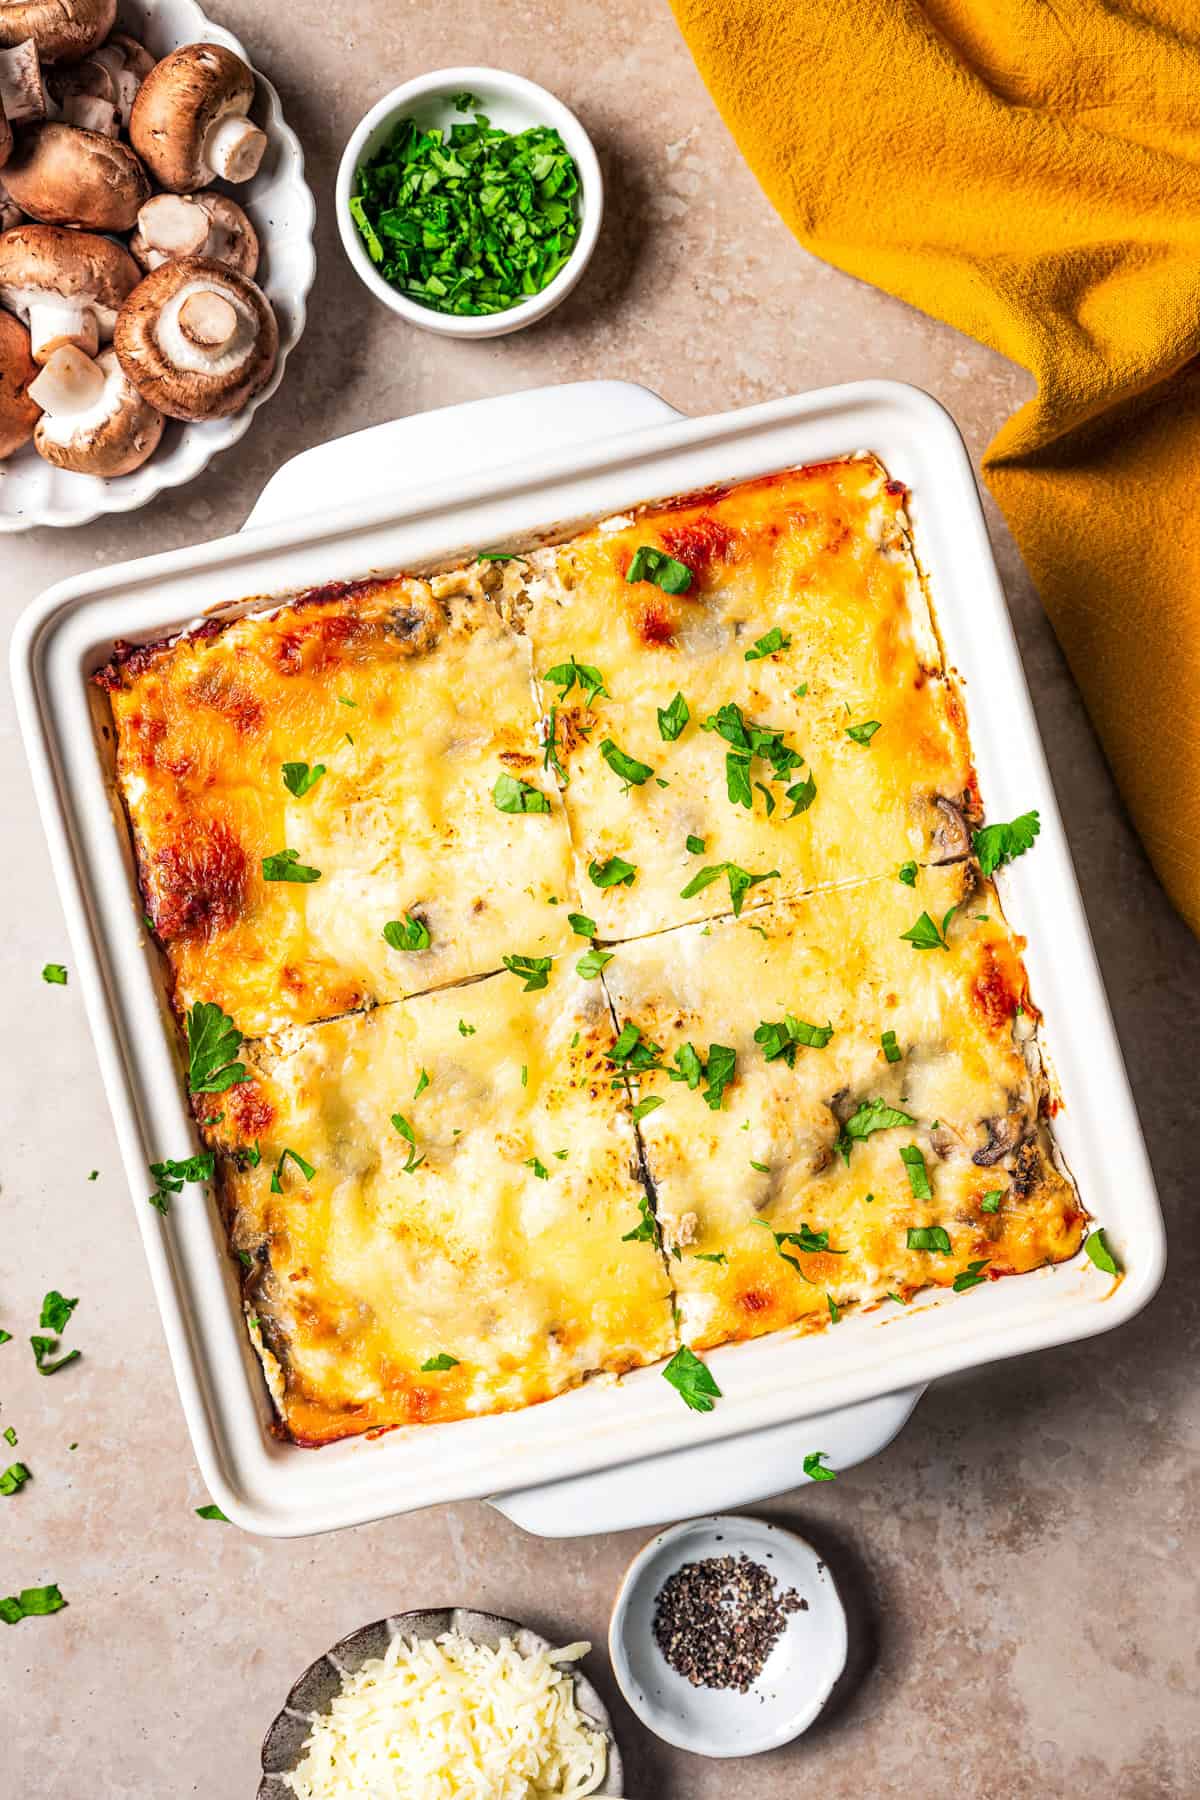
<point x="63" y="30"/>
<point x="63" y="175"/>
<point x="147" y="335"/>
<point x="111" y="438"/>
<point x="136" y="55"/>
<point x="75" y="265"/>
<point x="18" y="414"/>
<point x="177" y="103"/>
<point x="230" y="239"/>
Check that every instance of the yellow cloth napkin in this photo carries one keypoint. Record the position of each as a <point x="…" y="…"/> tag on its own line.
<point x="1028" y="170"/>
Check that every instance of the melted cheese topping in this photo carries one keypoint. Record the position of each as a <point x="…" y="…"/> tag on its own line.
<point x="475" y="1239"/>
<point x="452" y="1719"/>
<point x="820" y="556"/>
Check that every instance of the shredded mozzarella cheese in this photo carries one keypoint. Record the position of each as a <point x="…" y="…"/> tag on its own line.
<point x="454" y="1720"/>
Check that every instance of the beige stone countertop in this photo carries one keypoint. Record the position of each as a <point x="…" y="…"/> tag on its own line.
<point x="1025" y="1554"/>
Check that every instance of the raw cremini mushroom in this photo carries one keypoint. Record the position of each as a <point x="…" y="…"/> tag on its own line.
<point x="94" y="421"/>
<point x="63" y="175"/>
<point x="22" y="91"/>
<point x="18" y="413"/>
<point x="63" y="30"/>
<point x="98" y="93"/>
<point x="198" y="339"/>
<point x="67" y="286"/>
<point x="189" y="122"/>
<point x="209" y="225"/>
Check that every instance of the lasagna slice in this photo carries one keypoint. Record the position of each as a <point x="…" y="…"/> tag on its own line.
<point x="787" y="716"/>
<point x="340" y="802"/>
<point x="846" y="1103"/>
<point x="439" y="1206"/>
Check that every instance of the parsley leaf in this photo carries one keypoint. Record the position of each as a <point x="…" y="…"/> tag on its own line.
<point x="991" y="1201"/>
<point x="689" y="1066"/>
<point x="650" y="1104"/>
<point x="615" y="872"/>
<point x="672" y="719"/>
<point x="869" y="1116"/>
<point x="212" y="1511"/>
<point x="806" y="1239"/>
<point x="566" y="675"/>
<point x="695" y="845"/>
<point x="533" y="970"/>
<point x="740" y="882"/>
<point x="632" y="772"/>
<point x="648" y="564"/>
<point x="712" y="1256"/>
<point x="1096" y="1245"/>
<point x="56" y="1311"/>
<point x="591" y="963"/>
<point x="298" y="778"/>
<point x="918" y="1174"/>
<point x="305" y="1168"/>
<point x="767" y="645"/>
<point x="997" y="844"/>
<point x="692" y="1380"/>
<point x="718" y="1072"/>
<point x="171" y="1174"/>
<point x="632" y="1051"/>
<point x="213" y="1043"/>
<point x="890" y="1047"/>
<point x="434" y="1365"/>
<point x="285" y="865"/>
<point x="970" y="1277"/>
<point x="538" y="1166"/>
<point x="512" y="796"/>
<point x="581" y="925"/>
<point x="746" y="741"/>
<point x="647" y="1231"/>
<point x="31" y="1603"/>
<point x="862" y="734"/>
<point x="907" y="873"/>
<point x="928" y="1237"/>
<point x="55" y="974"/>
<point x="408" y="933"/>
<point x="465" y="1030"/>
<point x="924" y="935"/>
<point x="814" y="1467"/>
<point x="13" y="1479"/>
<point x="835" y="1312"/>
<point x="782" y="1038"/>
<point x="43" y="1349"/>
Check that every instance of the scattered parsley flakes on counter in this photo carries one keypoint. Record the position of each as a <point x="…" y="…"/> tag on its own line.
<point x="211" y="1511"/>
<point x="1096" y="1245"/>
<point x="672" y="719"/>
<point x="285" y="865"/>
<point x="862" y="734"/>
<point x="768" y="644"/>
<point x="436" y="1364"/>
<point x="513" y="796"/>
<point x="692" y="1380"/>
<point x="615" y="872"/>
<point x="408" y="933"/>
<point x="925" y="935"/>
<point x="472" y="220"/>
<point x="95" y="1175"/>
<point x="55" y="974"/>
<point x="970" y="1277"/>
<point x="46" y="1347"/>
<point x="814" y="1466"/>
<point x="286" y="1156"/>
<point x="31" y="1603"/>
<point x="632" y="772"/>
<point x="907" y="873"/>
<point x="740" y="882"/>
<point x="5" y="1336"/>
<point x="213" y="1043"/>
<point x="13" y="1479"/>
<point x="566" y="675"/>
<point x="934" y="1238"/>
<point x="10" y="1437"/>
<point x="649" y="564"/>
<point x="299" y="779"/>
<point x="996" y="844"/>
<point x="56" y="1312"/>
<point x="918" y="1174"/>
<point x="533" y="970"/>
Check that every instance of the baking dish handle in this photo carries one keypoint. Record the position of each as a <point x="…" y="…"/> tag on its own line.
<point x="708" y="1478"/>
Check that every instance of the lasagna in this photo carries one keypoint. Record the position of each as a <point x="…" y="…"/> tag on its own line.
<point x="599" y="950"/>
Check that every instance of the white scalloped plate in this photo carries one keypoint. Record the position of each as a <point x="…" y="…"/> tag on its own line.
<point x="32" y="491"/>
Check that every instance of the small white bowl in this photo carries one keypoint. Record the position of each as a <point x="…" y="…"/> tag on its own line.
<point x="513" y="104"/>
<point x="800" y="1673"/>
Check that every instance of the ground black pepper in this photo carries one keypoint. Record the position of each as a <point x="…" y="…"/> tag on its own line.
<point x="717" y="1621"/>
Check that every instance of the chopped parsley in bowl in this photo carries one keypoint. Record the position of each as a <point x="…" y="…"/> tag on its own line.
<point x="469" y="201"/>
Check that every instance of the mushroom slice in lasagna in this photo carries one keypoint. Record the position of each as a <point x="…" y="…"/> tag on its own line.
<point x="444" y="1215"/>
<point x="340" y="802"/>
<point x="785" y="721"/>
<point x="850" y="1103"/>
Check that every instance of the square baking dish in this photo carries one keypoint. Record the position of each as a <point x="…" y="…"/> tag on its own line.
<point x="279" y="1489"/>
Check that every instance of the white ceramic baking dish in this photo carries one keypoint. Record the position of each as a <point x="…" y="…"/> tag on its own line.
<point x="610" y="1453"/>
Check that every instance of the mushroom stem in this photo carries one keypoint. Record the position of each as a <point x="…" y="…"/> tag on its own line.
<point x="70" y="382"/>
<point x="234" y="147"/>
<point x="125" y="81"/>
<point x="90" y="113"/>
<point x="174" y="225"/>
<point x="22" y="91"/>
<point x="55" y="323"/>
<point x="208" y="321"/>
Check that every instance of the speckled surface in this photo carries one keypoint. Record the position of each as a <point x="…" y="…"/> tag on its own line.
<point x="1022" y="1562"/>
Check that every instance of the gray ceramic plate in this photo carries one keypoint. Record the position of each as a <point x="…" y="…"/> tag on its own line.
<point x="283" y="1746"/>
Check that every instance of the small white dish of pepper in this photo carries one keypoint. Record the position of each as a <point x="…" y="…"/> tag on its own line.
<point x="728" y="1635"/>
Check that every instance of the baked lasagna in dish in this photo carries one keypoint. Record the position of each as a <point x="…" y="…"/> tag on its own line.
<point x="587" y="957"/>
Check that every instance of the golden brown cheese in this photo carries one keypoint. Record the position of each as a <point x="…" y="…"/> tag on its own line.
<point x="414" y="705"/>
<point x="818" y="557"/>
<point x="732" y="1182"/>
<point x="497" y="1234"/>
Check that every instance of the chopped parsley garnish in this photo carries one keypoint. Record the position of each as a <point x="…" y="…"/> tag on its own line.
<point x="712" y="1256"/>
<point x="10" y="1437"/>
<point x="740" y="882"/>
<point x="170" y="1176"/>
<point x="413" y="1162"/>
<point x="632" y="772"/>
<point x="648" y="564"/>
<point x="285" y="1156"/>
<point x="55" y="974"/>
<point x="970" y="1277"/>
<point x="835" y="1311"/>
<point x="890" y="1047"/>
<point x="925" y="935"/>
<point x="345" y="700"/>
<point x="696" y="845"/>
<point x="31" y="1603"/>
<point x="650" y="1104"/>
<point x="762" y="1168"/>
<point x="470" y="220"/>
<point x="689" y="1066"/>
<point x="907" y="873"/>
<point x="928" y="1237"/>
<point x="436" y="1364"/>
<point x="213" y="1512"/>
<point x="747" y="741"/>
<point x="407" y="933"/>
<point x="869" y="1116"/>
<point x="814" y="1466"/>
<point x="298" y="778"/>
<point x="614" y="872"/>
<point x="5" y="1337"/>
<point x="538" y="1166"/>
<point x="807" y="1240"/>
<point x="591" y="963"/>
<point x="692" y="1380"/>
<point x="581" y="925"/>
<point x="717" y="1069"/>
<point x="631" y="1051"/>
<point x="534" y="971"/>
<point x="46" y="1347"/>
<point x="213" y="1043"/>
<point x="566" y="675"/>
<point x="647" y="1231"/>
<point x="918" y="1174"/>
<point x="513" y="796"/>
<point x="862" y="734"/>
<point x="550" y="756"/>
<point x="465" y="1030"/>
<point x="1096" y="1245"/>
<point x="997" y="844"/>
<point x="422" y="1084"/>
<point x="991" y="1200"/>
<point x="798" y="693"/>
<point x="285" y="865"/>
<point x="785" y="1036"/>
<point x="768" y="644"/>
<point x="672" y="719"/>
<point x="13" y="1479"/>
<point x="497" y="556"/>
<point x="56" y="1311"/>
<point x="248" y="1156"/>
